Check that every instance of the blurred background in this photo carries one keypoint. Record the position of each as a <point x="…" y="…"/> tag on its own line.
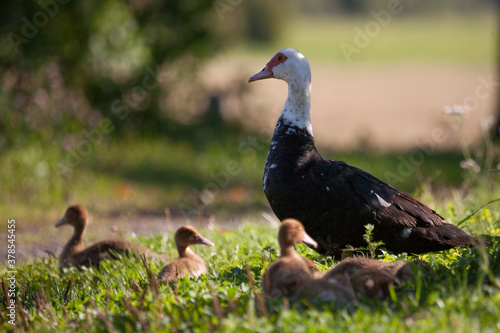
<point x="141" y="111"/>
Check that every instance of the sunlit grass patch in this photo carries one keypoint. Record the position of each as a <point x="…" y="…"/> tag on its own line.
<point x="463" y="295"/>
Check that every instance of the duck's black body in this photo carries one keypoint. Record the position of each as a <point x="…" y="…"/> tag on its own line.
<point x="335" y="201"/>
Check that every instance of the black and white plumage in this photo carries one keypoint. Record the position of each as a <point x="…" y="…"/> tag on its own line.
<point x="333" y="199"/>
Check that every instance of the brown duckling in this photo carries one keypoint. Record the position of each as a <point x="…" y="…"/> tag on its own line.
<point x="346" y="288"/>
<point x="339" y="291"/>
<point x="371" y="281"/>
<point x="291" y="271"/>
<point x="357" y="277"/>
<point x="371" y="277"/>
<point x="189" y="263"/>
<point x="77" y="254"/>
<point x="350" y="266"/>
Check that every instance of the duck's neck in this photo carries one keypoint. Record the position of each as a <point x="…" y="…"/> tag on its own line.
<point x="75" y="244"/>
<point x="292" y="143"/>
<point x="298" y="104"/>
<point x="186" y="252"/>
<point x="288" y="251"/>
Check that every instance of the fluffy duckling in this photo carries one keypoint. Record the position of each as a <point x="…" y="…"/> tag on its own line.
<point x="338" y="291"/>
<point x="189" y="263"/>
<point x="291" y="271"/>
<point x="350" y="266"/>
<point x="371" y="277"/>
<point x="77" y="254"/>
<point x="354" y="278"/>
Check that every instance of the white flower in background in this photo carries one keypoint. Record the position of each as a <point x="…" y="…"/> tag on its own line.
<point x="472" y="164"/>
<point x="42" y="169"/>
<point x="456" y="109"/>
<point x="487" y="124"/>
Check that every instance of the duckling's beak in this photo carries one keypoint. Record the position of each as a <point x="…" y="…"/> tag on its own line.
<point x="202" y="240"/>
<point x="61" y="222"/>
<point x="309" y="241"/>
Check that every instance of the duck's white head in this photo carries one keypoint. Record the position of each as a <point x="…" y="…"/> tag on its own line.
<point x="292" y="67"/>
<point x="288" y="65"/>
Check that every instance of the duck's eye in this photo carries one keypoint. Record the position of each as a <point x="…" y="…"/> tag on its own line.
<point x="280" y="58"/>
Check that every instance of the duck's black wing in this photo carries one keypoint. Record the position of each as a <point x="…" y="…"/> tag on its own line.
<point x="402" y="222"/>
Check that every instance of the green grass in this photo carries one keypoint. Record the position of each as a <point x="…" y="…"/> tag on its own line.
<point x="463" y="296"/>
<point x="467" y="40"/>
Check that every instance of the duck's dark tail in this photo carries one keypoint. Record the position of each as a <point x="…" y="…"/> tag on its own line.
<point x="430" y="239"/>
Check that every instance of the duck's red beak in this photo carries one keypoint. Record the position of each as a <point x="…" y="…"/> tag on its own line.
<point x="264" y="74"/>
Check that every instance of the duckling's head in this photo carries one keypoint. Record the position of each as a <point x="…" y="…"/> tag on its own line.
<point x="188" y="235"/>
<point x="76" y="215"/>
<point x="293" y="232"/>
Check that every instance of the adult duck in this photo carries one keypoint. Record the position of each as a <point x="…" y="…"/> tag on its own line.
<point x="188" y="263"/>
<point x="291" y="271"/>
<point x="77" y="254"/>
<point x="333" y="199"/>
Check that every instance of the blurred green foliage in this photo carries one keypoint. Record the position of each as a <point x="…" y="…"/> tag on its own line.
<point x="66" y="65"/>
<point x="90" y="60"/>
